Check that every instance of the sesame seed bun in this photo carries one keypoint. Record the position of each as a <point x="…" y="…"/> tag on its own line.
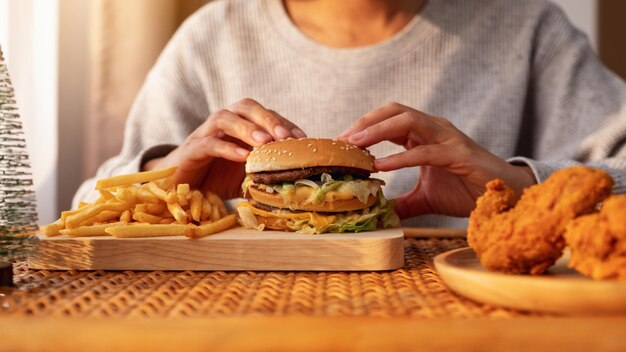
<point x="301" y="153"/>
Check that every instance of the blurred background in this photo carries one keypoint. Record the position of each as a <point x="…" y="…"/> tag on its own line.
<point x="77" y="65"/>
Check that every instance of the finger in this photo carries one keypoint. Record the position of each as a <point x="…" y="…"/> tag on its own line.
<point x="202" y="151"/>
<point x="239" y="128"/>
<point x="373" y="117"/>
<point x="295" y="130"/>
<point x="227" y="120"/>
<point x="437" y="155"/>
<point x="257" y="113"/>
<point x="409" y="128"/>
<point x="392" y="128"/>
<point x="395" y="129"/>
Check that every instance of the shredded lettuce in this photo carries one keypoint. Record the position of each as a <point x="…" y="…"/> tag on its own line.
<point x="306" y="182"/>
<point x="247" y="182"/>
<point x="248" y="219"/>
<point x="388" y="216"/>
<point x="326" y="178"/>
<point x="360" y="189"/>
<point x="381" y="213"/>
<point x="319" y="195"/>
<point x="365" y="222"/>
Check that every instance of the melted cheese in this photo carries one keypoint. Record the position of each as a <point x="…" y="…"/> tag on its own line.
<point x="304" y="195"/>
<point x="315" y="219"/>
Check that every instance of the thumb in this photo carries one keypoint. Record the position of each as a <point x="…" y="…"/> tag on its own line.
<point x="412" y="204"/>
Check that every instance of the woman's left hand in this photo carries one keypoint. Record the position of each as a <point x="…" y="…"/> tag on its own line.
<point x="453" y="168"/>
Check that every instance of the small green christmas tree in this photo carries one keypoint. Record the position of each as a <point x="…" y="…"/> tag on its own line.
<point x="18" y="214"/>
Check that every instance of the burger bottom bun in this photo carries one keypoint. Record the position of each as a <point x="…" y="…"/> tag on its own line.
<point x="298" y="202"/>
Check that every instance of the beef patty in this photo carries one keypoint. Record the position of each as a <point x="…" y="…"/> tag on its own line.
<point x="273" y="177"/>
<point x="271" y="208"/>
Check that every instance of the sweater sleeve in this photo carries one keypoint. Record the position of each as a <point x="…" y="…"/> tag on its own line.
<point x="576" y="106"/>
<point x="169" y="106"/>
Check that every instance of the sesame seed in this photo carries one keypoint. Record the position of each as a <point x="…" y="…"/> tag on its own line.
<point x="314" y="150"/>
<point x="290" y="153"/>
<point x="309" y="145"/>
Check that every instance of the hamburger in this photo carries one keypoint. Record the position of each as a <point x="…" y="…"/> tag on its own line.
<point x="312" y="185"/>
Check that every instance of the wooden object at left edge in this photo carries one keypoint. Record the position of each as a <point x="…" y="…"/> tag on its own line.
<point x="232" y="250"/>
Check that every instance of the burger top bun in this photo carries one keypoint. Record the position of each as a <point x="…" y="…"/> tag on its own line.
<point x="300" y="153"/>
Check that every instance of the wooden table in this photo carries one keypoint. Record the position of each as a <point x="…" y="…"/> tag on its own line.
<point x="314" y="334"/>
<point x="404" y="309"/>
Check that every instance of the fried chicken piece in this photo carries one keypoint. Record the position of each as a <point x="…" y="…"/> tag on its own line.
<point x="598" y="241"/>
<point x="527" y="238"/>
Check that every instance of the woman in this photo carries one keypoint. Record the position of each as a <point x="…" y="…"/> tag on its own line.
<point x="478" y="90"/>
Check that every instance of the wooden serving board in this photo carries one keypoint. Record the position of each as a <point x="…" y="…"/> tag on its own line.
<point x="235" y="249"/>
<point x="562" y="290"/>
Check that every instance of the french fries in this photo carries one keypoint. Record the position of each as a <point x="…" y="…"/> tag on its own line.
<point x="140" y="177"/>
<point x="147" y="230"/>
<point x="179" y="214"/>
<point x="145" y="204"/>
<point x="210" y="228"/>
<point x="196" y="206"/>
<point x="93" y="230"/>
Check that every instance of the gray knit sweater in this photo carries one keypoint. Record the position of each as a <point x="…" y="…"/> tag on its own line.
<point x="513" y="75"/>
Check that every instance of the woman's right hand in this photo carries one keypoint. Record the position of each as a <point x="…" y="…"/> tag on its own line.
<point x="213" y="156"/>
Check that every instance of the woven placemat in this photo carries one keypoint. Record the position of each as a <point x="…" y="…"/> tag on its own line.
<point x="415" y="291"/>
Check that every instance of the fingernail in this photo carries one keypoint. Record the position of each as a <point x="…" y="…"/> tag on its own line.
<point x="357" y="136"/>
<point x="241" y="151"/>
<point x="281" y="132"/>
<point x="378" y="163"/>
<point x="382" y="165"/>
<point x="298" y="133"/>
<point x="261" y="137"/>
<point x="346" y="132"/>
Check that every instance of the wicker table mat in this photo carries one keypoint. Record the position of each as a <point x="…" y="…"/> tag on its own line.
<point x="414" y="291"/>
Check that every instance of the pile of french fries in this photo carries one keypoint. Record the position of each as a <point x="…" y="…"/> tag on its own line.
<point x="145" y="204"/>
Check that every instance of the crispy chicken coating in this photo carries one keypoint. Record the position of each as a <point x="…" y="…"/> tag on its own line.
<point x="598" y="241"/>
<point x="527" y="237"/>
